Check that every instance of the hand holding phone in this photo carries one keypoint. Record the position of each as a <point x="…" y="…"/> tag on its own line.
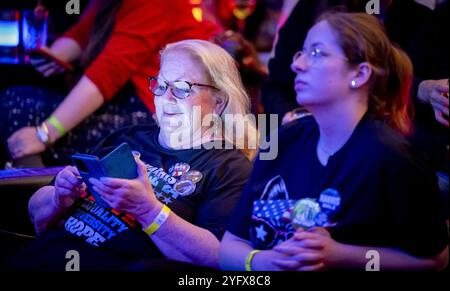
<point x="119" y="163"/>
<point x="46" y="63"/>
<point x="68" y="187"/>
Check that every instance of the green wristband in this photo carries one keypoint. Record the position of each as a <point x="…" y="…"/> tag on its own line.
<point x="57" y="125"/>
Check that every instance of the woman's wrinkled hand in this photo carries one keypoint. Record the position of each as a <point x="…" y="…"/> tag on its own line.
<point x="68" y="187"/>
<point x="135" y="197"/>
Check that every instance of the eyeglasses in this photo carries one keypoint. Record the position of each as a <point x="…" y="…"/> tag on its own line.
<point x="313" y="55"/>
<point x="180" y="89"/>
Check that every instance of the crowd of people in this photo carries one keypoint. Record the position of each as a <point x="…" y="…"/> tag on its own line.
<point x="362" y="168"/>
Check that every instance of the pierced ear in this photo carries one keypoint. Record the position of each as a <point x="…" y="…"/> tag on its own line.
<point x="361" y="75"/>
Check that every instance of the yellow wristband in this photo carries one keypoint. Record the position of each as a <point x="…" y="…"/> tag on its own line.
<point x="249" y="259"/>
<point x="57" y="125"/>
<point x="158" y="221"/>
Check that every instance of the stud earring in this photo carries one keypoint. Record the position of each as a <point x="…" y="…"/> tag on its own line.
<point x="353" y="83"/>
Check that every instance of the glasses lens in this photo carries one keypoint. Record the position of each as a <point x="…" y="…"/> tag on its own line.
<point x="157" y="86"/>
<point x="181" y="89"/>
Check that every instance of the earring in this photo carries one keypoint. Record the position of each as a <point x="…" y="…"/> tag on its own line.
<point x="353" y="83"/>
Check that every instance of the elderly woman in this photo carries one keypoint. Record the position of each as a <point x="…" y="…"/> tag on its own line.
<point x="345" y="191"/>
<point x="187" y="185"/>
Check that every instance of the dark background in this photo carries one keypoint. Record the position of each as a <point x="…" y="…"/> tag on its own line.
<point x="58" y="22"/>
<point x="14" y="219"/>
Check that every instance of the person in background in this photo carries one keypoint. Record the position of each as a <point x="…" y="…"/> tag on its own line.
<point x="117" y="43"/>
<point x="431" y="71"/>
<point x="354" y="183"/>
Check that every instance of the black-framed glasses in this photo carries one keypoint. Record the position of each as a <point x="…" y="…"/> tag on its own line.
<point x="180" y="89"/>
<point x="314" y="54"/>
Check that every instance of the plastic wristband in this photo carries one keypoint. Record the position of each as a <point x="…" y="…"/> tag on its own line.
<point x="57" y="125"/>
<point x="249" y="259"/>
<point x="158" y="221"/>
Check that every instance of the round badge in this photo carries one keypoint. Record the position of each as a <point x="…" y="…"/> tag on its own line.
<point x="321" y="219"/>
<point x="179" y="169"/>
<point x="184" y="187"/>
<point x="304" y="213"/>
<point x="193" y="175"/>
<point x="330" y="200"/>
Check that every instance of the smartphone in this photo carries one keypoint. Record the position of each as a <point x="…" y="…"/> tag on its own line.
<point x="43" y="54"/>
<point x="119" y="163"/>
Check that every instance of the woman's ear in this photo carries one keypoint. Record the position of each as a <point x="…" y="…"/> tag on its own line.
<point x="221" y="103"/>
<point x="361" y="75"/>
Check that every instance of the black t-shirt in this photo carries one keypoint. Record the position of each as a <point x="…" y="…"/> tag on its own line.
<point x="388" y="197"/>
<point x="111" y="239"/>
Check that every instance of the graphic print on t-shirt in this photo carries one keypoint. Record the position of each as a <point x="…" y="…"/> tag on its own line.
<point x="97" y="224"/>
<point x="275" y="216"/>
<point x="268" y="226"/>
<point x="180" y="180"/>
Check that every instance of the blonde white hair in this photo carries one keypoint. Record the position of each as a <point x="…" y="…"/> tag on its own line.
<point x="222" y="73"/>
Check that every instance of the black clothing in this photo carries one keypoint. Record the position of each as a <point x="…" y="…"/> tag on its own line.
<point x="118" y="239"/>
<point x="388" y="197"/>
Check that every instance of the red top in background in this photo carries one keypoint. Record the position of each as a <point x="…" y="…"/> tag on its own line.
<point x="141" y="30"/>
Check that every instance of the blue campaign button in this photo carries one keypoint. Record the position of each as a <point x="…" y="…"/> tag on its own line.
<point x="330" y="200"/>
